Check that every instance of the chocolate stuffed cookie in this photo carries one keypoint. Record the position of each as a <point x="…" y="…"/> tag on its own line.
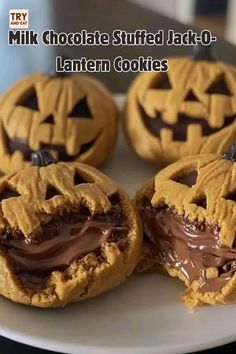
<point x="188" y="212"/>
<point x="67" y="233"/>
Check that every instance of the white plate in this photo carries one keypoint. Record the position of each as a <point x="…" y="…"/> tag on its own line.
<point x="143" y="316"/>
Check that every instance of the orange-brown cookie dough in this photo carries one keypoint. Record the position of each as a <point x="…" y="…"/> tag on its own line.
<point x="74" y="116"/>
<point x="67" y="233"/>
<point x="189" y="219"/>
<point x="187" y="110"/>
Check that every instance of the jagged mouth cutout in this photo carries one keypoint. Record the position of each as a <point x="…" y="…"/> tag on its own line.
<point x="180" y="129"/>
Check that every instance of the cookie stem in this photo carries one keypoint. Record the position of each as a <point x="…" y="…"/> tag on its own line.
<point x="202" y="52"/>
<point x="231" y="153"/>
<point x="42" y="158"/>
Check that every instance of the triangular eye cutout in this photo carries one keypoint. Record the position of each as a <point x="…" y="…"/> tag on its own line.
<point x="30" y="101"/>
<point x="191" y="96"/>
<point x="49" y="120"/>
<point x="188" y="179"/>
<point x="51" y="192"/>
<point x="231" y="196"/>
<point x="81" y="110"/>
<point x="78" y="179"/>
<point x="8" y="193"/>
<point x="163" y="83"/>
<point x="219" y="87"/>
<point x="201" y="202"/>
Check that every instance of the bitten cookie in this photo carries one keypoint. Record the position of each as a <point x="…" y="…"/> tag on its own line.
<point x="188" y="110"/>
<point x="67" y="233"/>
<point x="188" y="213"/>
<point x="73" y="116"/>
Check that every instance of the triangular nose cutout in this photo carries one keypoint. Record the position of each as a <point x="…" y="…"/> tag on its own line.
<point x="51" y="192"/>
<point x="191" y="96"/>
<point x="163" y="83"/>
<point x="49" y="120"/>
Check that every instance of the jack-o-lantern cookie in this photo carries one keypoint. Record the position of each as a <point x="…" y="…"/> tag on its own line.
<point x="73" y="116"/>
<point x="189" y="219"/>
<point x="188" y="110"/>
<point x="67" y="233"/>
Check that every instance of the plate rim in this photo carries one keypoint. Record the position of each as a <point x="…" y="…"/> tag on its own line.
<point x="62" y="347"/>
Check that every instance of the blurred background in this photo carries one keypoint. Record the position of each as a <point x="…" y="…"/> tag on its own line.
<point x="216" y="15"/>
<point x="107" y="15"/>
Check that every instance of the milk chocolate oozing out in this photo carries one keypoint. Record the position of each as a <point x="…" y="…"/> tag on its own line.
<point x="190" y="247"/>
<point x="64" y="239"/>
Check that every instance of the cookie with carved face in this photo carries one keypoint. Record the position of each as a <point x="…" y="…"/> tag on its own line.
<point x="73" y="116"/>
<point x="67" y="233"/>
<point x="188" y="110"/>
<point x="188" y="212"/>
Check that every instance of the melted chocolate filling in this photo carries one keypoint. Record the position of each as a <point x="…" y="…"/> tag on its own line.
<point x="64" y="239"/>
<point x="190" y="247"/>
